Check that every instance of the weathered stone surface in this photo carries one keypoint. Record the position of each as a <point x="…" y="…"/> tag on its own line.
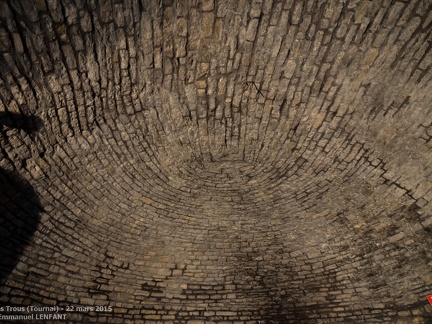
<point x="209" y="161"/>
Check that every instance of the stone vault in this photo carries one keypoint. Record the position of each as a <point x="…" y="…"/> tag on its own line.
<point x="217" y="161"/>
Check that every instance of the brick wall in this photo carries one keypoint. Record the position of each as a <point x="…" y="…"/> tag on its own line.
<point x="217" y="161"/>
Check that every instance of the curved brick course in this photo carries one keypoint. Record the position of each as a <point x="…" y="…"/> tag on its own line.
<point x="217" y="161"/>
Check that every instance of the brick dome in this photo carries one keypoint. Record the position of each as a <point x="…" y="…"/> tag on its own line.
<point x="214" y="161"/>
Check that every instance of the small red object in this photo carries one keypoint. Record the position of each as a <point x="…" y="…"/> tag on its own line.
<point x="430" y="299"/>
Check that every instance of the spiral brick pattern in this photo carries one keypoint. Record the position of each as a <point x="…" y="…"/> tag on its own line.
<point x="217" y="161"/>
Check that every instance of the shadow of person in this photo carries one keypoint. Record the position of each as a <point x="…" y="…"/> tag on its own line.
<point x="28" y="124"/>
<point x="19" y="204"/>
<point x="19" y="218"/>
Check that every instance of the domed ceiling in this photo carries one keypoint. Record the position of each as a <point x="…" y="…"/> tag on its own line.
<point x="216" y="161"/>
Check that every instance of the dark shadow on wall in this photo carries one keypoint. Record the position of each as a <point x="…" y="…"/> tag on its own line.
<point x="19" y="218"/>
<point x="19" y="204"/>
<point x="28" y="124"/>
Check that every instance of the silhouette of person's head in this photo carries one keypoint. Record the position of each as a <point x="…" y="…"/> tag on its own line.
<point x="29" y="124"/>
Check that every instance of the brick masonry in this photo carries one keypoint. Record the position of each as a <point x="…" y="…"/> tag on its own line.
<point x="218" y="161"/>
